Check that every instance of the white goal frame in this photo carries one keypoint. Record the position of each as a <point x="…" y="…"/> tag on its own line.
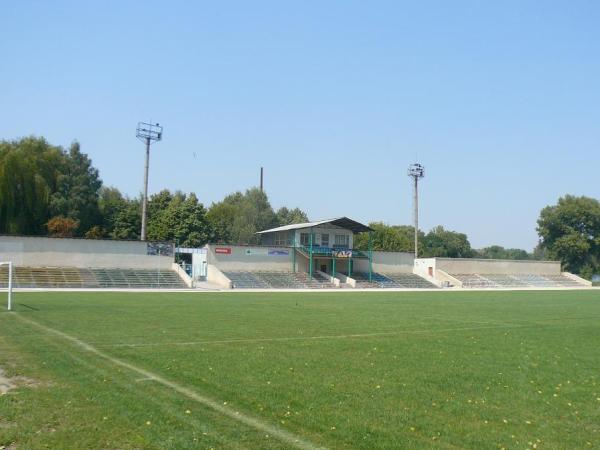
<point x="10" y="282"/>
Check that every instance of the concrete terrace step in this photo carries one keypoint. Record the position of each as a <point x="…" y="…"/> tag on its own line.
<point x="73" y="277"/>
<point x="276" y="280"/>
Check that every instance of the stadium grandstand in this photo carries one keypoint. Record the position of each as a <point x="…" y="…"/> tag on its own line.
<point x="312" y="255"/>
<point x="72" y="263"/>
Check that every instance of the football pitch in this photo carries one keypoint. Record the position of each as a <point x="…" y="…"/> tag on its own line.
<point x="357" y="370"/>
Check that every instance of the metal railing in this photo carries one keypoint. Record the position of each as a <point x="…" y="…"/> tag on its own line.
<point x="318" y="250"/>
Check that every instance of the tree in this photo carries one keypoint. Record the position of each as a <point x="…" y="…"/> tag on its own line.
<point x="444" y="243"/>
<point x="389" y="238"/>
<point x="570" y="232"/>
<point x="78" y="185"/>
<point x="159" y="220"/>
<point x="287" y="216"/>
<point x="28" y="177"/>
<point x="61" y="226"/>
<point x="121" y="217"/>
<point x="499" y="252"/>
<point x="96" y="232"/>
<point x="220" y="216"/>
<point x="238" y="217"/>
<point x="178" y="217"/>
<point x="128" y="220"/>
<point x="400" y="238"/>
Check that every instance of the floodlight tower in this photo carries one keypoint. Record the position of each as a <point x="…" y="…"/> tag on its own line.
<point x="416" y="171"/>
<point x="147" y="133"/>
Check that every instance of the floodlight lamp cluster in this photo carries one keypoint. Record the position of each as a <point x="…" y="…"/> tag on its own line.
<point x="416" y="170"/>
<point x="148" y="131"/>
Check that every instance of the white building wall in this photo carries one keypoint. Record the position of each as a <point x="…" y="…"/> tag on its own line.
<point x="425" y="266"/>
<point x="325" y="229"/>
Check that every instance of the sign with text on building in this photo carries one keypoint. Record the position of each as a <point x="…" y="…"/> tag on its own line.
<point x="341" y="253"/>
<point x="256" y="251"/>
<point x="223" y="250"/>
<point x="159" y="249"/>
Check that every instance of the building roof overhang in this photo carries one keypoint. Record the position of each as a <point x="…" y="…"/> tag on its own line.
<point x="342" y="222"/>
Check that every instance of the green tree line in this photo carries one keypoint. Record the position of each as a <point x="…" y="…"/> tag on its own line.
<point x="46" y="190"/>
<point x="437" y="242"/>
<point x="49" y="190"/>
<point x="569" y="232"/>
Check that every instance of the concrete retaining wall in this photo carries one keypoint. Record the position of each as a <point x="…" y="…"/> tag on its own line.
<point x="184" y="276"/>
<point x="215" y="276"/>
<point x="250" y="258"/>
<point x="577" y="278"/>
<point x="496" y="266"/>
<point x="66" y="252"/>
<point x="387" y="262"/>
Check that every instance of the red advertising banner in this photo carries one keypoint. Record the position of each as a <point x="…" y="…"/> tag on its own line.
<point x="223" y="250"/>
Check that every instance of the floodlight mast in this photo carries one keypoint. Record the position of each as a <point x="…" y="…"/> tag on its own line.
<point x="416" y="171"/>
<point x="147" y="133"/>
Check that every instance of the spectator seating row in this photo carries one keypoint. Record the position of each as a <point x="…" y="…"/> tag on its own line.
<point x="398" y="281"/>
<point x="73" y="277"/>
<point x="410" y="280"/>
<point x="277" y="280"/>
<point x="496" y="281"/>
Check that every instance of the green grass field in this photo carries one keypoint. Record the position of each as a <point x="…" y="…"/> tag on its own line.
<point x="334" y="370"/>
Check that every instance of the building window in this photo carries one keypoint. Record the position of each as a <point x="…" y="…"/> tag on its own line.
<point x="342" y="240"/>
<point x="325" y="240"/>
<point x="305" y="238"/>
<point x="281" y="238"/>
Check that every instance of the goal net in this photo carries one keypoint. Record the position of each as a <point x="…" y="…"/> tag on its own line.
<point x="6" y="281"/>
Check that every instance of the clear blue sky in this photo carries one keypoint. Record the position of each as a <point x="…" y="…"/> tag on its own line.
<point x="499" y="100"/>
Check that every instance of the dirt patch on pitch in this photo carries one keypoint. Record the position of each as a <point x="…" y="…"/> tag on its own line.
<point x="10" y="447"/>
<point x="8" y="384"/>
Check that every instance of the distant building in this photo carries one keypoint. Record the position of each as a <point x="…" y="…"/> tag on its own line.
<point x="327" y="245"/>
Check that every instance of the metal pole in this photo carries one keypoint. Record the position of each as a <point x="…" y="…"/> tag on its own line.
<point x="416" y="200"/>
<point x="145" y="199"/>
<point x="333" y="267"/>
<point x="10" y="271"/>
<point x="261" y="179"/>
<point x="370" y="256"/>
<point x="310" y="264"/>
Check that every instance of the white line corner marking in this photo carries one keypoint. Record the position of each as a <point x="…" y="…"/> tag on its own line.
<point x="253" y="422"/>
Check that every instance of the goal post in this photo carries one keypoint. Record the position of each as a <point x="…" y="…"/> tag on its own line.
<point x="9" y="283"/>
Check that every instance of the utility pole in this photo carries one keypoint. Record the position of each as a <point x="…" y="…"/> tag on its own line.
<point x="147" y="133"/>
<point x="416" y="171"/>
<point x="261" y="179"/>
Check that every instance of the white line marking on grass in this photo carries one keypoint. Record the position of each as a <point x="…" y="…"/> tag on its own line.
<point x="139" y="380"/>
<point x="253" y="422"/>
<point x="309" y="338"/>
